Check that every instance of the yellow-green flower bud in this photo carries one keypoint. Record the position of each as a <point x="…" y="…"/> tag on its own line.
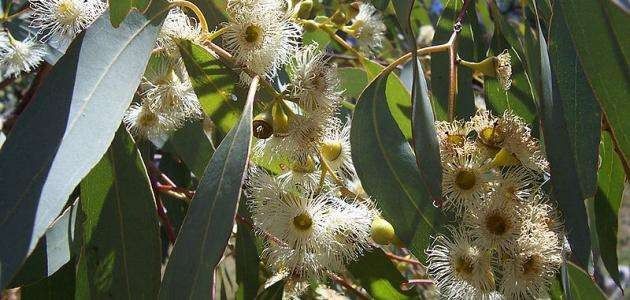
<point x="382" y="232"/>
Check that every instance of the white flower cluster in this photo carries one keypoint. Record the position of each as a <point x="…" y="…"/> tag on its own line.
<point x="509" y="239"/>
<point x="167" y="98"/>
<point x="260" y="35"/>
<point x="312" y="214"/>
<point x="56" y="21"/>
<point x="307" y="232"/>
<point x="368" y="28"/>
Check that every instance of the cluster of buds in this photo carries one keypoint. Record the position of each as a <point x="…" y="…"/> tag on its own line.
<point x="508" y="239"/>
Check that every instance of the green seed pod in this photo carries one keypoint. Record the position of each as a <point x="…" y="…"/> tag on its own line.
<point x="382" y="232"/>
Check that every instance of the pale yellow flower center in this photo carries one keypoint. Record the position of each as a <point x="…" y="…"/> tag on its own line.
<point x="465" y="179"/>
<point x="253" y="34"/>
<point x="303" y="222"/>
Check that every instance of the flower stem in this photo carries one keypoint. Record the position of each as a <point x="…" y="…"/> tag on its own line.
<point x="194" y="9"/>
<point x="227" y="57"/>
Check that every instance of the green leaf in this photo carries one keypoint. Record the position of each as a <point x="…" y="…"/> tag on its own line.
<point x="582" y="286"/>
<point x="118" y="9"/>
<point x="387" y="167"/>
<point x="247" y="260"/>
<point x="193" y="146"/>
<point x="53" y="251"/>
<point x="398" y="97"/>
<point x="604" y="61"/>
<point x="581" y="112"/>
<point x="519" y="98"/>
<point x="214" y="84"/>
<point x="214" y="11"/>
<point x="208" y="225"/>
<point x="423" y="123"/>
<point x="465" y="102"/>
<point x="425" y="140"/>
<point x="610" y="185"/>
<point x="58" y="286"/>
<point x="353" y="80"/>
<point x="563" y="167"/>
<point x="67" y="127"/>
<point x="120" y="256"/>
<point x="379" y="276"/>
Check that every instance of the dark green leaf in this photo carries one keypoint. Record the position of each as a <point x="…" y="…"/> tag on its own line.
<point x="606" y="67"/>
<point x="582" y="286"/>
<point x="387" y="167"/>
<point x="610" y="184"/>
<point x="581" y="112"/>
<point x="247" y="261"/>
<point x="425" y="140"/>
<point x="193" y="146"/>
<point x="353" y="80"/>
<point x="398" y="98"/>
<point x="214" y="84"/>
<point x="58" y="286"/>
<point x="208" y="225"/>
<point x="67" y="127"/>
<point x="379" y="276"/>
<point x="563" y="167"/>
<point x="214" y="11"/>
<point x="53" y="251"/>
<point x="120" y="256"/>
<point x="118" y="9"/>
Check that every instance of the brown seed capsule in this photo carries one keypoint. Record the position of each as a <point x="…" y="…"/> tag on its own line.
<point x="262" y="125"/>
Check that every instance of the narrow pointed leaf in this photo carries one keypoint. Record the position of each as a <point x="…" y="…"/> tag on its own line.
<point x="387" y="167"/>
<point x="67" y="127"/>
<point x="247" y="259"/>
<point x="425" y="140"/>
<point x="599" y="50"/>
<point x="214" y="84"/>
<point x="423" y="123"/>
<point x="208" y="224"/>
<point x="563" y="169"/>
<point x="610" y="185"/>
<point x="580" y="111"/>
<point x="120" y="256"/>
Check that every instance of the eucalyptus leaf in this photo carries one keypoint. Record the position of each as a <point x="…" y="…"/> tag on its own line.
<point x="120" y="256"/>
<point x="208" y="224"/>
<point x="610" y="185"/>
<point x="387" y="168"/>
<point x="214" y="84"/>
<point x="581" y="112"/>
<point x="54" y="250"/>
<point x="563" y="167"/>
<point x="67" y="127"/>
<point x="605" y="63"/>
